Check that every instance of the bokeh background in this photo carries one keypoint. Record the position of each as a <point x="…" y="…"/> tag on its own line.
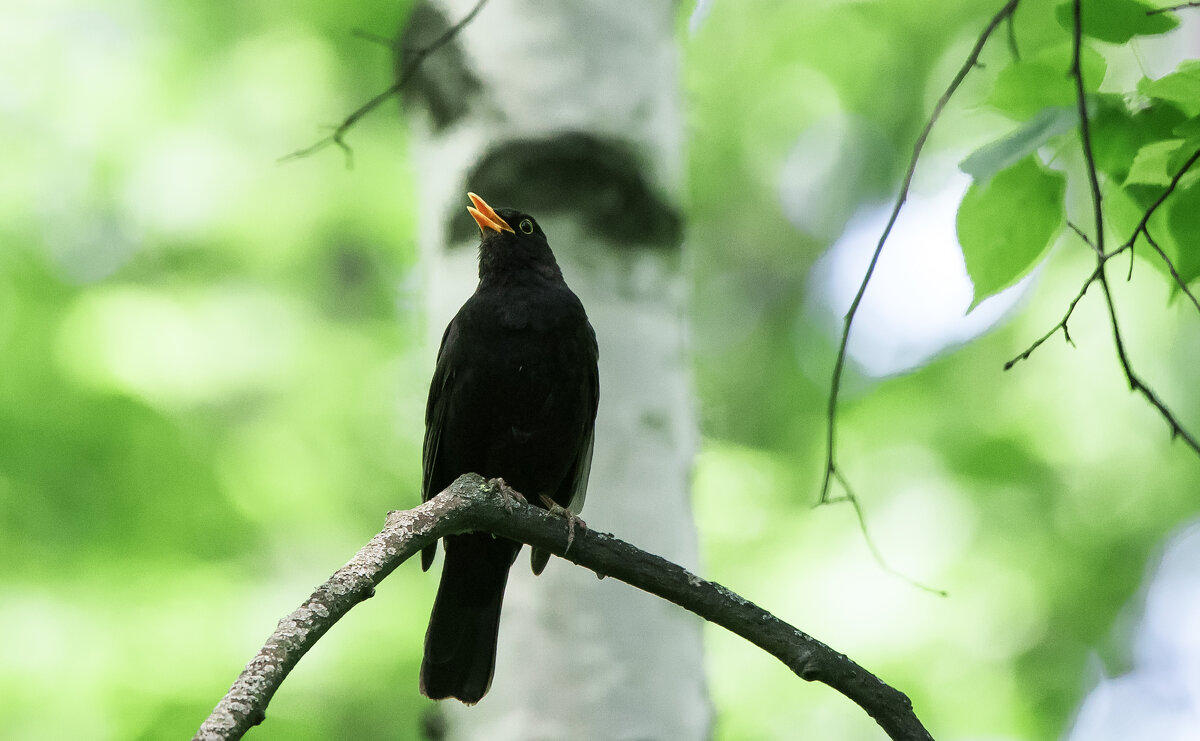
<point x="213" y="368"/>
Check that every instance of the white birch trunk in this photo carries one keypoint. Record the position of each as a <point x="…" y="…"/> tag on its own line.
<point x="571" y="110"/>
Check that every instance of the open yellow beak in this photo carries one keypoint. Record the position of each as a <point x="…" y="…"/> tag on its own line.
<point x="486" y="217"/>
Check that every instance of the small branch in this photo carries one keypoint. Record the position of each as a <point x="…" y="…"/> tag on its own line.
<point x="470" y="505"/>
<point x="1082" y="235"/>
<point x="1143" y="227"/>
<point x="1183" y="169"/>
<point x="374" y="38"/>
<point x="1062" y="324"/>
<point x="1179" y="281"/>
<point x="831" y="468"/>
<point x="1156" y="11"/>
<point x="1012" y="38"/>
<point x="1135" y="382"/>
<point x="338" y="137"/>
<point x="874" y="549"/>
<point x="1085" y="136"/>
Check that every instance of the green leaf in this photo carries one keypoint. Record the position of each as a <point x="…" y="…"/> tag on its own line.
<point x="1181" y="239"/>
<point x="1181" y="87"/>
<point x="1119" y="132"/>
<point x="1189" y="129"/>
<point x="1020" y="143"/>
<point x="1175" y="226"/>
<point x="1150" y="165"/>
<point x="1176" y="162"/>
<point x="1116" y="21"/>
<point x="1181" y="156"/>
<point x="1008" y="223"/>
<point x="1124" y="208"/>
<point x="1029" y="86"/>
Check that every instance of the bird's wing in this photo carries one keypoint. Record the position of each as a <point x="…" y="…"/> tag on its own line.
<point x="582" y="467"/>
<point x="574" y="488"/>
<point x="580" y="472"/>
<point x="435" y="422"/>
<point x="435" y="415"/>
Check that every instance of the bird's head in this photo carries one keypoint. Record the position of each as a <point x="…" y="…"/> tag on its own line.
<point x="511" y="243"/>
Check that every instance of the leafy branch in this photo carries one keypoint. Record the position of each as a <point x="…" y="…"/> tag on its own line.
<point x="1135" y="381"/>
<point x="1142" y="229"/>
<point x="338" y="137"/>
<point x="1018" y="147"/>
<point x="471" y="505"/>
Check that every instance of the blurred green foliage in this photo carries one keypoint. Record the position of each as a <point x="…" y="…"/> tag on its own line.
<point x="213" y="369"/>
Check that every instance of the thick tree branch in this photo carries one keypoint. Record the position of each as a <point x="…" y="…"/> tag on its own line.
<point x="470" y="504"/>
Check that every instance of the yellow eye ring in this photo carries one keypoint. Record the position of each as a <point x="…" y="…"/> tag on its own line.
<point x="526" y="226"/>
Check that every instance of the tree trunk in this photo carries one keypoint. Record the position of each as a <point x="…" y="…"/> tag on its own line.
<point x="571" y="111"/>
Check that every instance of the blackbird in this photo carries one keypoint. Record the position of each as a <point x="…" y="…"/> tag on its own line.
<point x="513" y="397"/>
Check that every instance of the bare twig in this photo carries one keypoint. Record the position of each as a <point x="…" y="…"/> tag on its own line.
<point x="1011" y="27"/>
<point x="874" y="549"/>
<point x="1135" y="382"/>
<point x="1179" y="281"/>
<point x="374" y="38"/>
<point x="1062" y="323"/>
<point x="338" y="137"/>
<point x="470" y="504"/>
<point x="1082" y="235"/>
<point x="1085" y="136"/>
<point x="1156" y="11"/>
<point x="831" y="468"/>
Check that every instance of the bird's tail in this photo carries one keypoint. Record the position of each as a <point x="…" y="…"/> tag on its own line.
<point x="460" y="644"/>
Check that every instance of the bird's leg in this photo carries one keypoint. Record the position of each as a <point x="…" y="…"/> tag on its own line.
<point x="508" y="495"/>
<point x="572" y="519"/>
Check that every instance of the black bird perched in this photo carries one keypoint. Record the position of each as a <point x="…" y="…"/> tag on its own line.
<point x="514" y="396"/>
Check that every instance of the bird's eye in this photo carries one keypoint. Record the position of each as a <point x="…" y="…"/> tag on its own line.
<point x="526" y="226"/>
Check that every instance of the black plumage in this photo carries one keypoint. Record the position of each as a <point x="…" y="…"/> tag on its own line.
<point x="514" y="396"/>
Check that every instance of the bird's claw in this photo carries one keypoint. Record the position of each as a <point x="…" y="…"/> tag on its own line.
<point x="508" y="495"/>
<point x="572" y="519"/>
